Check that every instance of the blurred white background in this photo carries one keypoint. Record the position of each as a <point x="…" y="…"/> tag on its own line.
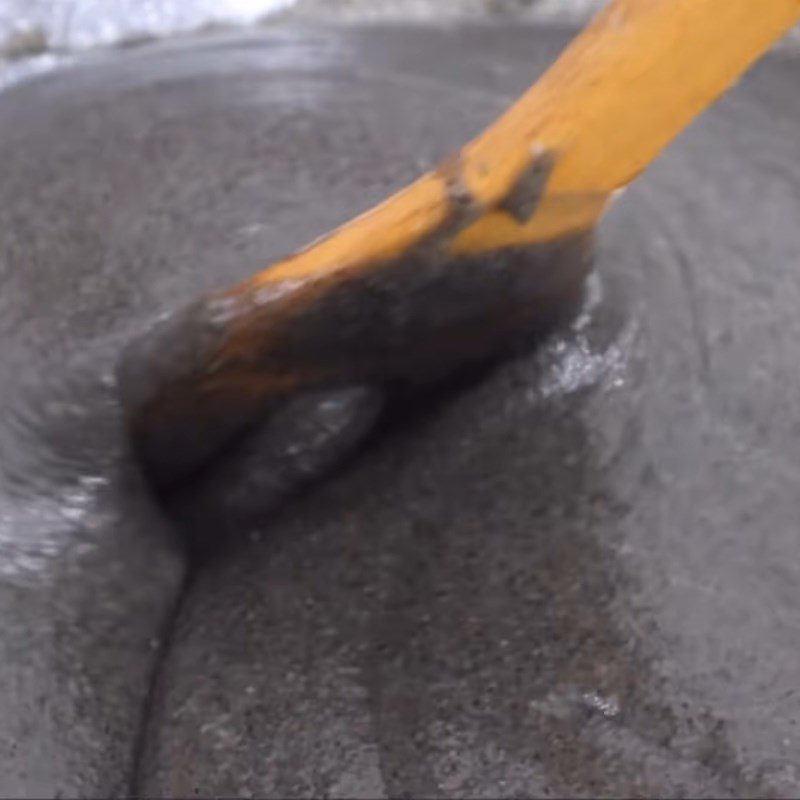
<point x="75" y="24"/>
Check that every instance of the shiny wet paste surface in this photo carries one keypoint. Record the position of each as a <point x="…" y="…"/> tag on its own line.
<point x="576" y="575"/>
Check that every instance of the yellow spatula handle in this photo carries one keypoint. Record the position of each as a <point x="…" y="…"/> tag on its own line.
<point x="622" y="90"/>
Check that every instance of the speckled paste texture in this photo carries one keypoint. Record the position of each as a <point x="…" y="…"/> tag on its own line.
<point x="573" y="575"/>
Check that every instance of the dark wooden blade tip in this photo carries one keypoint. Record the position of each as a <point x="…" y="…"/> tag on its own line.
<point x="200" y="378"/>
